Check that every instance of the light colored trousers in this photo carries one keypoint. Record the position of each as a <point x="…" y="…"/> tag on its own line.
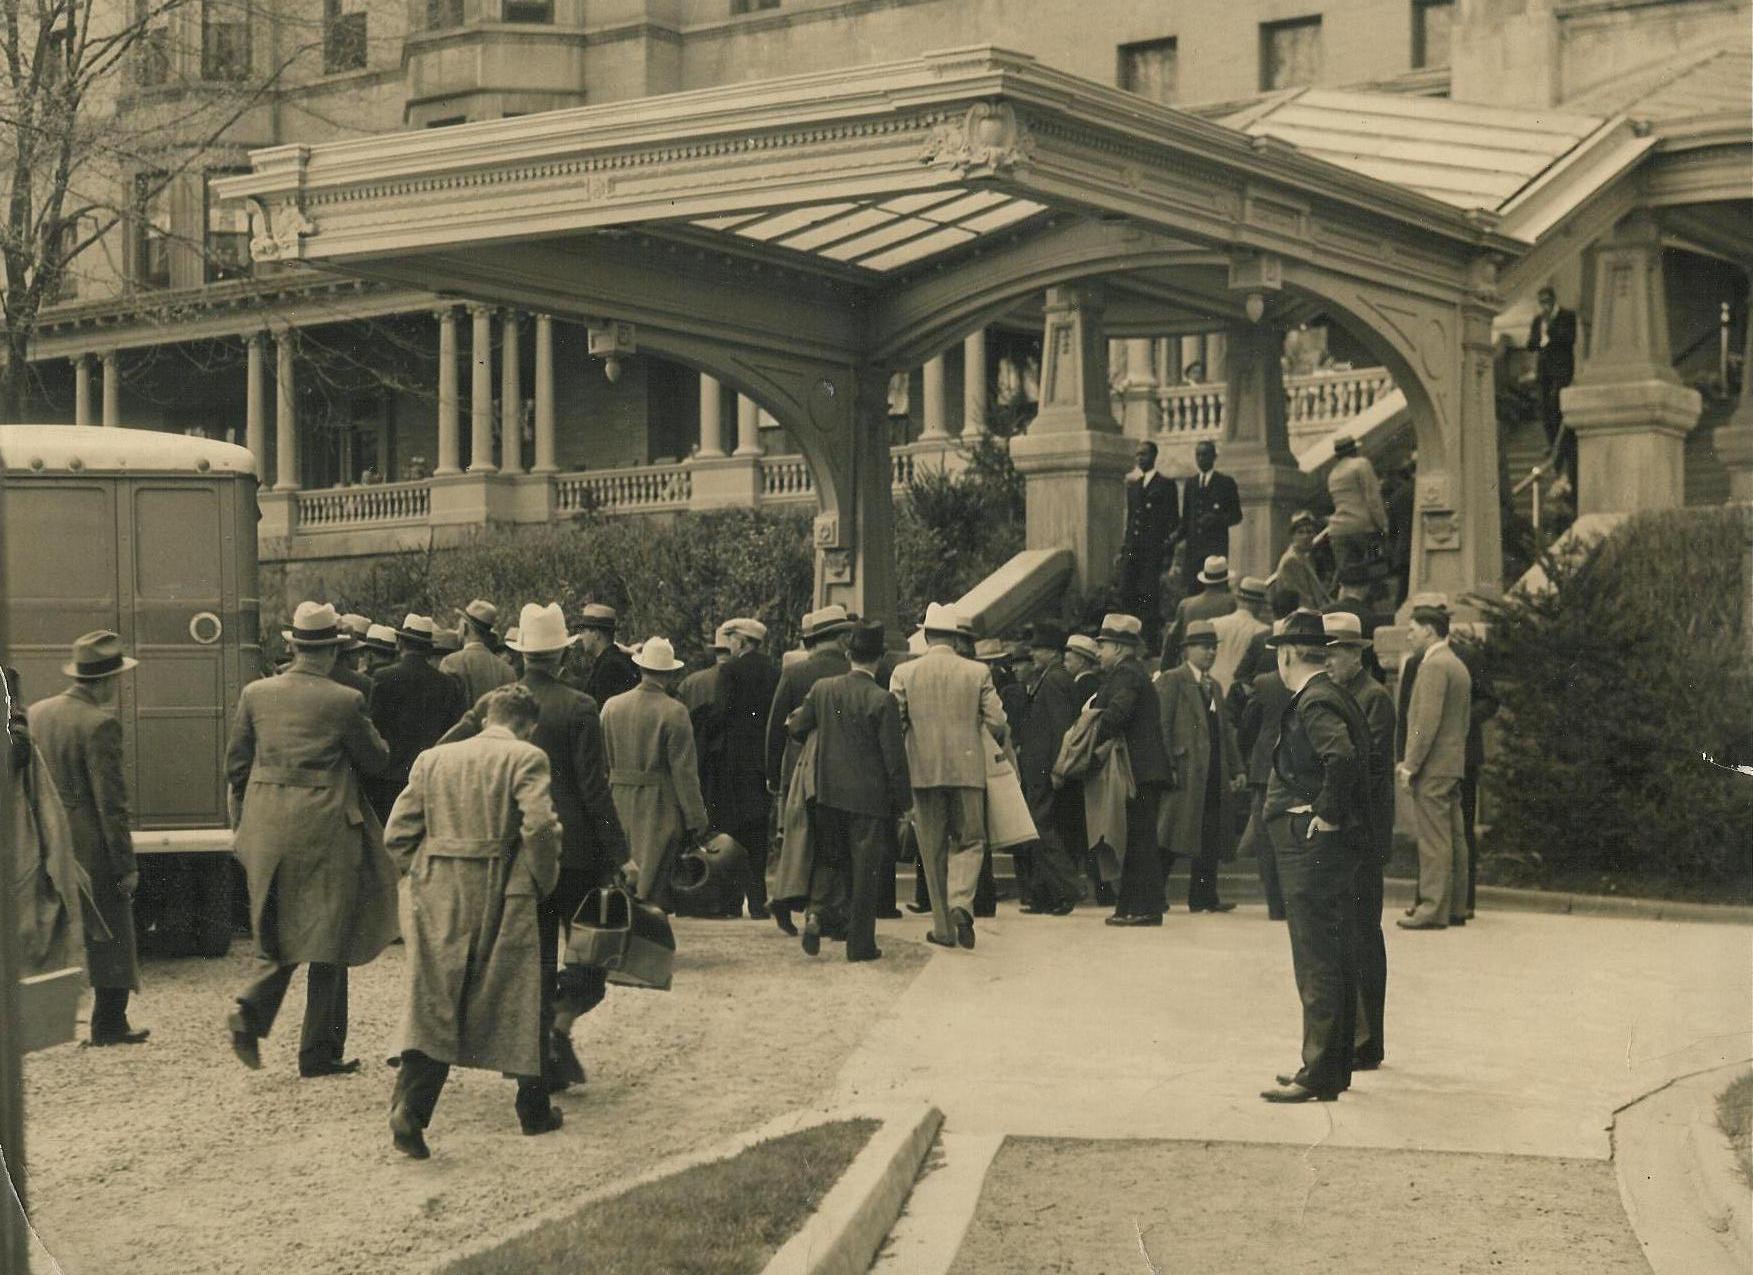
<point x="952" y="842"/>
<point x="1442" y="849"/>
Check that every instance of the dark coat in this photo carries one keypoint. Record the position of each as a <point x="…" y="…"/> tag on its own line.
<point x="412" y="705"/>
<point x="1187" y="735"/>
<point x="742" y="702"/>
<point x="1053" y="706"/>
<point x="1130" y="710"/>
<point x="1152" y="518"/>
<point x="1207" y="604"/>
<point x="1556" y="364"/>
<point x="569" y="730"/>
<point x="794" y="683"/>
<point x="1378" y="711"/>
<point x="1207" y="514"/>
<point x="861" y="761"/>
<point x="610" y="674"/>
<point x="1322" y="760"/>
<point x="1257" y="732"/>
<point x="351" y="677"/>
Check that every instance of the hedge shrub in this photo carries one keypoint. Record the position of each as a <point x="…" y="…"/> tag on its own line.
<point x="952" y="531"/>
<point x="1617" y="683"/>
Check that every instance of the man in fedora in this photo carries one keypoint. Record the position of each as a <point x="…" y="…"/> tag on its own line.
<point x="742" y="700"/>
<point x="1345" y="665"/>
<point x="1360" y="519"/>
<point x="593" y="846"/>
<point x="824" y="634"/>
<point x="1207" y="766"/>
<point x="862" y="788"/>
<point x="1237" y="630"/>
<point x="600" y="668"/>
<point x="1296" y="568"/>
<point x="654" y="778"/>
<point x="1152" y="519"/>
<point x="1130" y="711"/>
<point x="476" y="666"/>
<point x="1318" y="811"/>
<point x="1214" y="599"/>
<point x="1432" y="767"/>
<point x="80" y="740"/>
<point x="1210" y="506"/>
<point x="945" y="700"/>
<point x="322" y="890"/>
<point x="347" y="671"/>
<point x="378" y="650"/>
<point x="1083" y="660"/>
<point x="1051" y="700"/>
<point x="412" y="705"/>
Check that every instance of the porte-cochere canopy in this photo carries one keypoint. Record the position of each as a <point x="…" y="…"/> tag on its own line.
<point x="800" y="238"/>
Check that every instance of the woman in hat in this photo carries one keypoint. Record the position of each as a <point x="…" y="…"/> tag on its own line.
<point x="1296" y="569"/>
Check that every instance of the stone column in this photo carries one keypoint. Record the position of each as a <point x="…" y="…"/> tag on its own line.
<point x="286" y="467"/>
<point x="449" y="444"/>
<point x="934" y="409"/>
<point x="112" y="389"/>
<point x="1141" y="415"/>
<point x="481" y="393"/>
<point x="748" y="427"/>
<point x="1627" y="408"/>
<point x="1256" y="446"/>
<point x="255" y="429"/>
<point x="974" y="386"/>
<point x="1073" y="457"/>
<point x="545" y="462"/>
<point x="1733" y="440"/>
<point x="511" y="400"/>
<point x="711" y="419"/>
<point x="82" y="390"/>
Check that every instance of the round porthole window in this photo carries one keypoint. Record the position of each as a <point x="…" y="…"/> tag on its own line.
<point x="205" y="628"/>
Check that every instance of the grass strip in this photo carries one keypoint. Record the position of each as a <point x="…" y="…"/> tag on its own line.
<point x="1734" y="1116"/>
<point x="725" y="1218"/>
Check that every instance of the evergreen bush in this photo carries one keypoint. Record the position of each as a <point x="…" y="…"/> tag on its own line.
<point x="1617" y="683"/>
<point x="954" y="530"/>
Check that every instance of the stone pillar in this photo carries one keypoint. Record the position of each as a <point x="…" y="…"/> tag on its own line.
<point x="82" y="390"/>
<point x="1256" y="446"/>
<point x="711" y="418"/>
<point x="974" y="386"/>
<point x="1141" y="415"/>
<point x="481" y="393"/>
<point x="1733" y="440"/>
<point x="1627" y="408"/>
<point x="255" y="428"/>
<point x="112" y="389"/>
<point x="1073" y="457"/>
<point x="748" y="427"/>
<point x="511" y="399"/>
<point x="449" y="444"/>
<point x="286" y="467"/>
<point x="545" y="461"/>
<point x="934" y="409"/>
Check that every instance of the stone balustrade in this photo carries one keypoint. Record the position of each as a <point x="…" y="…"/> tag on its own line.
<point x="1313" y="403"/>
<point x="364" y="506"/>
<point x="786" y="479"/>
<point x="641" y="489"/>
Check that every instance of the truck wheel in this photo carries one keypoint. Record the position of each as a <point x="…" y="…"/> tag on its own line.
<point x="162" y="917"/>
<point x="212" y="921"/>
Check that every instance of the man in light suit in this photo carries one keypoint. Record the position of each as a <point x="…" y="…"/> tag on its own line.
<point x="1213" y="600"/>
<point x="1432" y="767"/>
<point x="1360" y="519"/>
<point x="944" y="701"/>
<point x="476" y="666"/>
<point x="1206" y="764"/>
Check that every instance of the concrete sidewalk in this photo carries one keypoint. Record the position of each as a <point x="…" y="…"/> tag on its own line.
<point x="1520" y="1034"/>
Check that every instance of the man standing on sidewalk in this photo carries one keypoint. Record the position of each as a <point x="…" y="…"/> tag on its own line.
<point x="743" y="698"/>
<point x="1130" y="711"/>
<point x="1053" y="884"/>
<point x="1432" y="768"/>
<point x="1207" y="766"/>
<point x="944" y="701"/>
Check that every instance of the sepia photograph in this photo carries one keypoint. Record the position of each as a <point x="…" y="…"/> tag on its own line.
<point x="611" y="609"/>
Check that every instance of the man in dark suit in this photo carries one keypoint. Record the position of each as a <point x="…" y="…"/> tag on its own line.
<point x="601" y="669"/>
<point x="1553" y="336"/>
<point x="1210" y="506"/>
<point x="593" y="845"/>
<point x="346" y="671"/>
<point x="1257" y="659"/>
<point x="412" y="704"/>
<point x="1257" y="734"/>
<point x="1213" y="601"/>
<point x="744" y="697"/>
<point x="862" y="788"/>
<point x="1152" y="518"/>
<point x="1053" y="702"/>
<point x="1130" y="711"/>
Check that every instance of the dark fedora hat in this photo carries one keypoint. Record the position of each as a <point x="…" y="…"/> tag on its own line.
<point x="1301" y="628"/>
<point x="98" y="655"/>
<point x="1049" y="634"/>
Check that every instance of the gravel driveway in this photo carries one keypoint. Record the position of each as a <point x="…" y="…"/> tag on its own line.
<point x="173" y="1159"/>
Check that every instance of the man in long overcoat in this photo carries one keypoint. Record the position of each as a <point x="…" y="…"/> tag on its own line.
<point x="1257" y="734"/>
<point x="654" y="777"/>
<point x="81" y="741"/>
<point x="1052" y="707"/>
<point x="1207" y="766"/>
<point x="322" y="890"/>
<point x="743" y="699"/>
<point x="1130" y="711"/>
<point x="476" y="666"/>
<point x="593" y="847"/>
<point x="475" y="834"/>
<point x="412" y="705"/>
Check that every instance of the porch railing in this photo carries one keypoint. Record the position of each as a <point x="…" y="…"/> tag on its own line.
<point x="641" y="489"/>
<point x="1314" y="401"/>
<point x="365" y="506"/>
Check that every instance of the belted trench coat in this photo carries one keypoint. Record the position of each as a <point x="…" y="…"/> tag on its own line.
<point x="654" y="779"/>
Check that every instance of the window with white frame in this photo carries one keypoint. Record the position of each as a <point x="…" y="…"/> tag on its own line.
<point x="1290" y="53"/>
<point x="1148" y="69"/>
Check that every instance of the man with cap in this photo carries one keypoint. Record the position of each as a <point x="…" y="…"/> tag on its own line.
<point x="1356" y="580"/>
<point x="1213" y="600"/>
<point x="1319" y="813"/>
<point x="654" y="777"/>
<point x="1052" y="706"/>
<point x="600" y="668"/>
<point x="322" y="889"/>
<point x="80" y="740"/>
<point x="1083" y="660"/>
<point x="861" y="790"/>
<point x="1296" y="568"/>
<point x="412" y="705"/>
<point x="476" y="666"/>
<point x="698" y="693"/>
<point x="1210" y="506"/>
<point x="1206" y="764"/>
<point x="1237" y="630"/>
<point x="593" y="846"/>
<point x="475" y="836"/>
<point x="1152" y="519"/>
<point x="946" y="703"/>
<point x="1131" y="711"/>
<point x="699" y="688"/>
<point x="1360" y="519"/>
<point x="824" y="634"/>
<point x="1345" y="666"/>
<point x="1431" y="768"/>
<point x="743" y="700"/>
<point x="378" y="650"/>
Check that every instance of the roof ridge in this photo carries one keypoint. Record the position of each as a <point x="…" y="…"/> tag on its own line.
<point x="1669" y="70"/>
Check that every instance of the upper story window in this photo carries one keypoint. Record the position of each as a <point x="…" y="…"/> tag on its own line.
<point x="225" y="40"/>
<point x="151" y="238"/>
<point x="1290" y="53"/>
<point x="67" y="241"/>
<point x="528" y="11"/>
<point x="1432" y="24"/>
<point x="228" y="233"/>
<point x="441" y="14"/>
<point x="751" y="6"/>
<point x="152" y="49"/>
<point x="1148" y="69"/>
<point x="343" y="36"/>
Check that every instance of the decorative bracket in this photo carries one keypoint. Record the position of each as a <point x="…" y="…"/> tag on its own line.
<point x="988" y="137"/>
<point x="275" y="233"/>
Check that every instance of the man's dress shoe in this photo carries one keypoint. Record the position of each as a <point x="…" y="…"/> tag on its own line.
<point x="782" y="918"/>
<point x="127" y="1036"/>
<point x="919" y="909"/>
<point x="892" y="914"/>
<point x="1285" y="1078"/>
<point x="875" y="954"/>
<point x="310" y="1071"/>
<point x="812" y="935"/>
<point x="1064" y="909"/>
<point x="931" y="937"/>
<point x="1297" y="1093"/>
<point x="564" y="1063"/>
<point x="1134" y="921"/>
<point x="1404" y="924"/>
<point x="964" y="928"/>
<point x="247" y="1049"/>
<point x="545" y="1123"/>
<point x="406" y="1135"/>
